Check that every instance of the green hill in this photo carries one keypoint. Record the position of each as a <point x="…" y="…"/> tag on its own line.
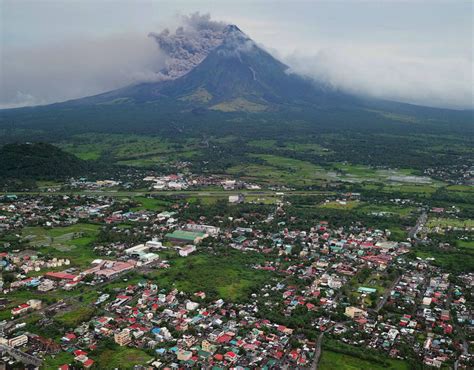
<point x="39" y="161"/>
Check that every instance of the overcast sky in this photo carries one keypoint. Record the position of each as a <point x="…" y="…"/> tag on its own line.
<point x="414" y="51"/>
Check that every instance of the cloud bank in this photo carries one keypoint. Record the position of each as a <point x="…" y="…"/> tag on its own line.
<point x="431" y="81"/>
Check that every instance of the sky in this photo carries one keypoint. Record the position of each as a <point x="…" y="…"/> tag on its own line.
<point x="416" y="51"/>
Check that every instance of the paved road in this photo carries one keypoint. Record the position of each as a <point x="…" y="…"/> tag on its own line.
<point x="204" y="193"/>
<point x="317" y="352"/>
<point x="382" y="302"/>
<point x="415" y="229"/>
<point x="21" y="356"/>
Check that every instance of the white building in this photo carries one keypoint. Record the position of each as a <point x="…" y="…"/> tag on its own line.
<point x="18" y="341"/>
<point x="187" y="250"/>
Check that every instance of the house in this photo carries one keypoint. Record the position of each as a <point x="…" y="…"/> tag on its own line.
<point x="355" y="313"/>
<point x="61" y="276"/>
<point x="18" y="341"/>
<point x="123" y="338"/>
<point x="235" y="199"/>
<point x="46" y="285"/>
<point x="187" y="250"/>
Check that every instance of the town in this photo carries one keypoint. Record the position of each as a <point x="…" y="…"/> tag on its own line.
<point x="173" y="281"/>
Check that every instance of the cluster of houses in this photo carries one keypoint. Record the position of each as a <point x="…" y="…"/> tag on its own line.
<point x="351" y="282"/>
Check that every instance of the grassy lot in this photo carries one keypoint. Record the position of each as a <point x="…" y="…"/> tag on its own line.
<point x="386" y="208"/>
<point x="150" y="204"/>
<point x="334" y="360"/>
<point x="60" y="359"/>
<point x="261" y="199"/>
<point x="121" y="358"/>
<point x="461" y="188"/>
<point x="453" y="260"/>
<point x="342" y="206"/>
<point x="228" y="276"/>
<point x="74" y="317"/>
<point x="465" y="244"/>
<point x="449" y="222"/>
<point x="71" y="242"/>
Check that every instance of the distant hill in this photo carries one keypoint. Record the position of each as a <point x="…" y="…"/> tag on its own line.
<point x="39" y="161"/>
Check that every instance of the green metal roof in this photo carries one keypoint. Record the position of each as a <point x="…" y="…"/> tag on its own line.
<point x="184" y="235"/>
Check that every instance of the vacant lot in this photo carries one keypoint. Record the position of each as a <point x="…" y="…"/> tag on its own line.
<point x="228" y="276"/>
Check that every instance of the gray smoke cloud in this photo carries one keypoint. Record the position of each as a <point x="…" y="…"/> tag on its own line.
<point x="189" y="44"/>
<point x="75" y="69"/>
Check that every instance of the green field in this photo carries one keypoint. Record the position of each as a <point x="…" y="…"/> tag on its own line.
<point x="228" y="276"/>
<point x="71" y="242"/>
<point x="60" y="359"/>
<point x="342" y="205"/>
<point x="280" y="170"/>
<point x="132" y="150"/>
<point x="121" y="358"/>
<point x="449" y="222"/>
<point x="335" y="360"/>
<point x="71" y="319"/>
<point x="150" y="204"/>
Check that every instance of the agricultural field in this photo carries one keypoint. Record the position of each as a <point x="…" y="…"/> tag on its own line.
<point x="301" y="147"/>
<point x="132" y="150"/>
<point x="280" y="170"/>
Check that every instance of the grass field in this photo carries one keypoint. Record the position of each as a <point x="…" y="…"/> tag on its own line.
<point x="281" y="170"/>
<point x="70" y="241"/>
<point x="449" y="222"/>
<point x="133" y="150"/>
<point x="150" y="204"/>
<point x="334" y="360"/>
<point x="386" y="208"/>
<point x="342" y="205"/>
<point x="122" y="358"/>
<point x="464" y="244"/>
<point x="72" y="318"/>
<point x="229" y="276"/>
<point x="61" y="358"/>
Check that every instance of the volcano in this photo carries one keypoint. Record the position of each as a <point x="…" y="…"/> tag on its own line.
<point x="235" y="75"/>
<point x="214" y="78"/>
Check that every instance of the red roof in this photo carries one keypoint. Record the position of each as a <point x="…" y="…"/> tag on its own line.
<point x="88" y="363"/>
<point x="224" y="338"/>
<point x="79" y="352"/>
<point x="63" y="367"/>
<point x="60" y="275"/>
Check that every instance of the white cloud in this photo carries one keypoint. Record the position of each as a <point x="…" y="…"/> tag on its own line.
<point x="432" y="81"/>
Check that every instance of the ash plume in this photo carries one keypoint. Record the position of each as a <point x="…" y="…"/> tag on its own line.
<point x="189" y="44"/>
